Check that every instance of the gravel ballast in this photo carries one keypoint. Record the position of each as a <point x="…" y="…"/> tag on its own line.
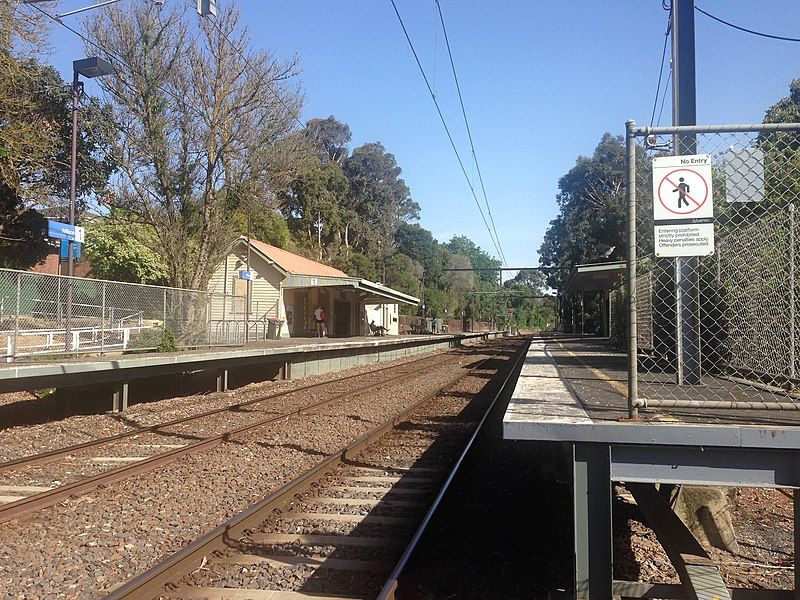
<point x="86" y="545"/>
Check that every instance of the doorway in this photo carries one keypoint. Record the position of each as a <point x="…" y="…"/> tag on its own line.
<point x="342" y="318"/>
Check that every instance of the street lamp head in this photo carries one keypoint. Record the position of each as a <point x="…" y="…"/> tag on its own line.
<point x="92" y="67"/>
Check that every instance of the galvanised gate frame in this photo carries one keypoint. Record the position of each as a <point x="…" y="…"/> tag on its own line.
<point x="720" y="331"/>
<point x="742" y="308"/>
<point x="739" y="310"/>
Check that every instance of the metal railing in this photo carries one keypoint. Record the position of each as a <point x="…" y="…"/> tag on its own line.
<point x="717" y="326"/>
<point x="51" y="314"/>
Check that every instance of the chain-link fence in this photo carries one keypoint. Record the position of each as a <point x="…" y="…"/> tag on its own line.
<point x="717" y="325"/>
<point x="51" y="314"/>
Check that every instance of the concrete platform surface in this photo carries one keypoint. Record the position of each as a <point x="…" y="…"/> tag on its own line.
<point x="74" y="371"/>
<point x="576" y="391"/>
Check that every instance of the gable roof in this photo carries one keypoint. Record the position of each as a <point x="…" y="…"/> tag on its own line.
<point x="293" y="264"/>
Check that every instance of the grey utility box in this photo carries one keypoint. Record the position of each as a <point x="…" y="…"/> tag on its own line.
<point x="274" y="329"/>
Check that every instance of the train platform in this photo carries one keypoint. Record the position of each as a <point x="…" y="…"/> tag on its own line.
<point x="573" y="393"/>
<point x="282" y="359"/>
<point x="576" y="390"/>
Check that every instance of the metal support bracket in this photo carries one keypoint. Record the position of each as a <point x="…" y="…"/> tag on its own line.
<point x="120" y="399"/>
<point x="222" y="380"/>
<point x="700" y="577"/>
<point x="592" y="517"/>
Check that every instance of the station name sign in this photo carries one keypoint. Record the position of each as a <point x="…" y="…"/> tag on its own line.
<point x="65" y="231"/>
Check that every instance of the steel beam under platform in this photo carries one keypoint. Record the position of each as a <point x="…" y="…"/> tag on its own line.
<point x="548" y="405"/>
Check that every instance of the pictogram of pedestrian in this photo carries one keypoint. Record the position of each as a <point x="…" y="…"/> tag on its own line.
<point x="682" y="189"/>
<point x="681" y="192"/>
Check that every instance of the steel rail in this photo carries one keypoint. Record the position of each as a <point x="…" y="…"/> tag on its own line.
<point x="37" y="502"/>
<point x="389" y="588"/>
<point x="150" y="583"/>
<point x="51" y="455"/>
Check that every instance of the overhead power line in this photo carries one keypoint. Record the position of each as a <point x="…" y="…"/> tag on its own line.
<point x="751" y="31"/>
<point x="469" y="132"/>
<point x="661" y="68"/>
<point x="446" y="128"/>
<point x="664" y="97"/>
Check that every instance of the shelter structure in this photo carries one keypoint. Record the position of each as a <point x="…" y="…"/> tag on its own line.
<point x="282" y="285"/>
<point x="593" y="278"/>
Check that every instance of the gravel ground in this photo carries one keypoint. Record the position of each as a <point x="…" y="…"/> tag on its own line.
<point x="91" y="461"/>
<point x="762" y="520"/>
<point x="84" y="546"/>
<point x="433" y="439"/>
<point x="17" y="441"/>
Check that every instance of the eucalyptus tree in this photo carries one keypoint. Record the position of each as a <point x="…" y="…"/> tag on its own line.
<point x="591" y="222"/>
<point x="208" y="126"/>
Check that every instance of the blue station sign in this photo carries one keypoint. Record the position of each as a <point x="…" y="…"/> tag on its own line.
<point x="65" y="231"/>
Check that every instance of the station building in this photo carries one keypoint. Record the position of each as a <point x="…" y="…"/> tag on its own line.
<point x="289" y="287"/>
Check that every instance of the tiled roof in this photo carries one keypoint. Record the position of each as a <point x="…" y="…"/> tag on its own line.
<point x="293" y="263"/>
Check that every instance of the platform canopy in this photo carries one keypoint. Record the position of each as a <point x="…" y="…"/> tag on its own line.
<point x="376" y="293"/>
<point x="301" y="272"/>
<point x="595" y="277"/>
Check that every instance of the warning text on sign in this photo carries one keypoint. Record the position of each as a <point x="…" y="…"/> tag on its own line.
<point x="684" y="240"/>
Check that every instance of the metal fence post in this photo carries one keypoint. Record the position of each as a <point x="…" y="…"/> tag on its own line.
<point x="68" y="346"/>
<point x="16" y="316"/>
<point x="792" y="298"/>
<point x="633" y="376"/>
<point x="103" y="320"/>
<point x="59" y="313"/>
<point x="165" y="310"/>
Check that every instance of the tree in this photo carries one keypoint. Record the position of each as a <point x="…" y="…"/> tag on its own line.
<point x="330" y="136"/>
<point x="781" y="149"/>
<point x="419" y="244"/>
<point x="786" y="110"/>
<point x="24" y="231"/>
<point x="269" y="227"/>
<point x="48" y="183"/>
<point x="119" y="249"/>
<point x="379" y="197"/>
<point x="208" y="132"/>
<point x="35" y="154"/>
<point x="403" y="274"/>
<point x="318" y="194"/>
<point x="26" y="136"/>
<point x="592" y="218"/>
<point x="487" y="265"/>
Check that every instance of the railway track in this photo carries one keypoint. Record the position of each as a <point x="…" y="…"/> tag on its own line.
<point x="84" y="467"/>
<point x="339" y="529"/>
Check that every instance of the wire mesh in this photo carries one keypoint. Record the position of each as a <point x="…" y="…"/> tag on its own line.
<point x="721" y="331"/>
<point x="55" y="315"/>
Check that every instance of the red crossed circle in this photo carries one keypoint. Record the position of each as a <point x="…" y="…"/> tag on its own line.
<point x="696" y="198"/>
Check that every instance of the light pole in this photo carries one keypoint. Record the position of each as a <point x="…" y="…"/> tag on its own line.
<point x="89" y="68"/>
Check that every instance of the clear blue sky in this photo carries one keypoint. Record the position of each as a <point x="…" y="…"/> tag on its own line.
<point x="542" y="82"/>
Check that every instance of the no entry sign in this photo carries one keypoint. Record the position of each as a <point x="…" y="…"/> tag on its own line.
<point x="683" y="210"/>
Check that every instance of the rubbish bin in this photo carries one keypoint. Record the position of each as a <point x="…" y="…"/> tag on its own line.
<point x="274" y="329"/>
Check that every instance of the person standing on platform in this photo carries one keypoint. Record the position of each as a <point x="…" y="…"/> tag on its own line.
<point x="319" y="318"/>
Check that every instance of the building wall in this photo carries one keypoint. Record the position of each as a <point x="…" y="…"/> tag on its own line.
<point x="386" y="315"/>
<point x="266" y="287"/>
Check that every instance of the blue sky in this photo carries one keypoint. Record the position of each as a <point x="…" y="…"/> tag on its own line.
<point x="542" y="81"/>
